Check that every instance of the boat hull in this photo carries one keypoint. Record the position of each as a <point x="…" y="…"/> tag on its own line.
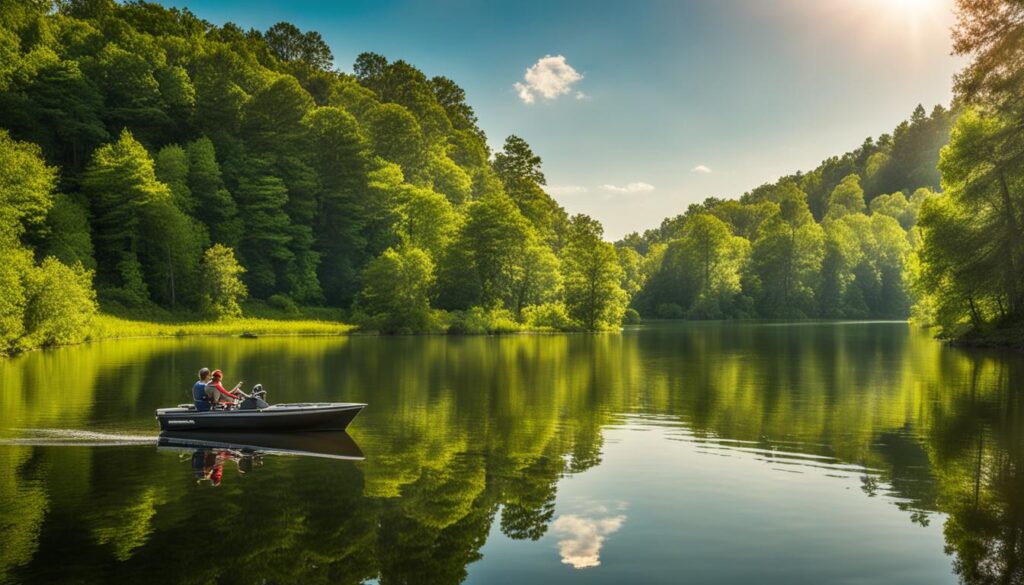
<point x="333" y="416"/>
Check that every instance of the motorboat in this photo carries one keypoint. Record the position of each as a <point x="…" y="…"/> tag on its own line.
<point x="254" y="414"/>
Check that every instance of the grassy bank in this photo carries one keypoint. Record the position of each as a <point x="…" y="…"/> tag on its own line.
<point x="259" y="319"/>
<point x="112" y="327"/>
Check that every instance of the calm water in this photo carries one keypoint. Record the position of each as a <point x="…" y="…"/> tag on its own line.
<point x="691" y="453"/>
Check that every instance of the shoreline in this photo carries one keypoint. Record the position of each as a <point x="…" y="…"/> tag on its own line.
<point x="110" y="327"/>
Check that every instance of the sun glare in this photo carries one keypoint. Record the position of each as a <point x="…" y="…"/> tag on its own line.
<point x="913" y="5"/>
<point x="911" y="9"/>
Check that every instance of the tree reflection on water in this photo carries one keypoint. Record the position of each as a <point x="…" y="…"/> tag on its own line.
<point x="463" y="431"/>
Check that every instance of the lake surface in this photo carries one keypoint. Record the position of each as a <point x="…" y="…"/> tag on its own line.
<point x="675" y="453"/>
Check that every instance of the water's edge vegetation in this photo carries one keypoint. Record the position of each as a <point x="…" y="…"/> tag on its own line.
<point x="153" y="161"/>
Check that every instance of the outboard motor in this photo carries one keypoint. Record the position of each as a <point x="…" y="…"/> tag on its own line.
<point x="255" y="400"/>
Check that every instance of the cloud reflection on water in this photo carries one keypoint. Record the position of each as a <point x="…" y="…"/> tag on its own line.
<point x="584" y="536"/>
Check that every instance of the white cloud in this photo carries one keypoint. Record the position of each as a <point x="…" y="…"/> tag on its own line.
<point x="638" y="187"/>
<point x="557" y="190"/>
<point x="584" y="538"/>
<point x="549" y="77"/>
<point x="701" y="169"/>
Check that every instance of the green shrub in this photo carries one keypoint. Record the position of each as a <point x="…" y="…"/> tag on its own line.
<point x="477" y="321"/>
<point x="12" y="296"/>
<point x="396" y="292"/>
<point x="61" y="304"/>
<point x="552" y="316"/>
<point x="223" y="290"/>
<point x="283" y="303"/>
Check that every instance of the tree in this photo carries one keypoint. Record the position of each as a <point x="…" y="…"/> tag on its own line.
<point x="699" y="272"/>
<point x="633" y="276"/>
<point x="427" y="220"/>
<point x="981" y="183"/>
<point x="60" y="304"/>
<point x="274" y="132"/>
<point x="990" y="31"/>
<point x="119" y="182"/>
<point x="972" y="247"/>
<point x="786" y="259"/>
<point x="264" y="246"/>
<point x="591" y="276"/>
<point x="170" y="247"/>
<point x="288" y="43"/>
<point x="519" y="170"/>
<point x="846" y="198"/>
<point x="67" y="233"/>
<point x="396" y="136"/>
<point x="222" y="289"/>
<point x="842" y="254"/>
<point x="25" y="185"/>
<point x="214" y="205"/>
<point x="482" y="261"/>
<point x="171" y="167"/>
<point x="396" y="290"/>
<point x="346" y="206"/>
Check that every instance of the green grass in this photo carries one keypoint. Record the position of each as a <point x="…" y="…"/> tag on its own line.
<point x="112" y="327"/>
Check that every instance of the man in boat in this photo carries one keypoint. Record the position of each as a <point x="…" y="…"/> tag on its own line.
<point x="218" y="395"/>
<point x="199" y="391"/>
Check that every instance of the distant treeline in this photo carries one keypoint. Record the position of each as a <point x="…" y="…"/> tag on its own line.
<point x="834" y="242"/>
<point x="928" y="220"/>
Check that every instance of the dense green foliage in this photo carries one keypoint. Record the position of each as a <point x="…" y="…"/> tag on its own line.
<point x="139" y="136"/>
<point x="375" y="191"/>
<point x="971" y="271"/>
<point x="41" y="303"/>
<point x="831" y="243"/>
<point x="222" y="288"/>
<point x="928" y="220"/>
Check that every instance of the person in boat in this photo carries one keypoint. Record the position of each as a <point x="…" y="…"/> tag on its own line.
<point x="218" y="395"/>
<point x="199" y="397"/>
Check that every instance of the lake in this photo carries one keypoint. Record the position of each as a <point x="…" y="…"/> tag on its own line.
<point x="669" y="453"/>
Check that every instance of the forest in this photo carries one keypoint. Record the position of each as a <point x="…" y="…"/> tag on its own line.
<point x="154" y="163"/>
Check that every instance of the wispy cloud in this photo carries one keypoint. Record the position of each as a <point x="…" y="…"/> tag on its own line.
<point x="558" y="190"/>
<point x="638" y="187"/>
<point x="701" y="169"/>
<point x="549" y="77"/>
<point x="584" y="538"/>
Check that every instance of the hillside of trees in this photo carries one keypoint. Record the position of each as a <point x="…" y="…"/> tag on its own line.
<point x="181" y="165"/>
<point x="835" y="242"/>
<point x="152" y="161"/>
<point x="926" y="221"/>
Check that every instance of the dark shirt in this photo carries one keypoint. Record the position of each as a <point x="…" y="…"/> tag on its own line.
<point x="199" y="396"/>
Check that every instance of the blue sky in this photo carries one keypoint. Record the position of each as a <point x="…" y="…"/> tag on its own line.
<point x="654" y="105"/>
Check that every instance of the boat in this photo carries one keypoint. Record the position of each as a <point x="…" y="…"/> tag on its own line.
<point x="329" y="445"/>
<point x="255" y="415"/>
<point x="303" y="416"/>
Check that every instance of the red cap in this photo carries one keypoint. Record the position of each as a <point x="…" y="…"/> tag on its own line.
<point x="217" y="374"/>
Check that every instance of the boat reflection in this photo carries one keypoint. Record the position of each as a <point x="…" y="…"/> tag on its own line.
<point x="211" y="451"/>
